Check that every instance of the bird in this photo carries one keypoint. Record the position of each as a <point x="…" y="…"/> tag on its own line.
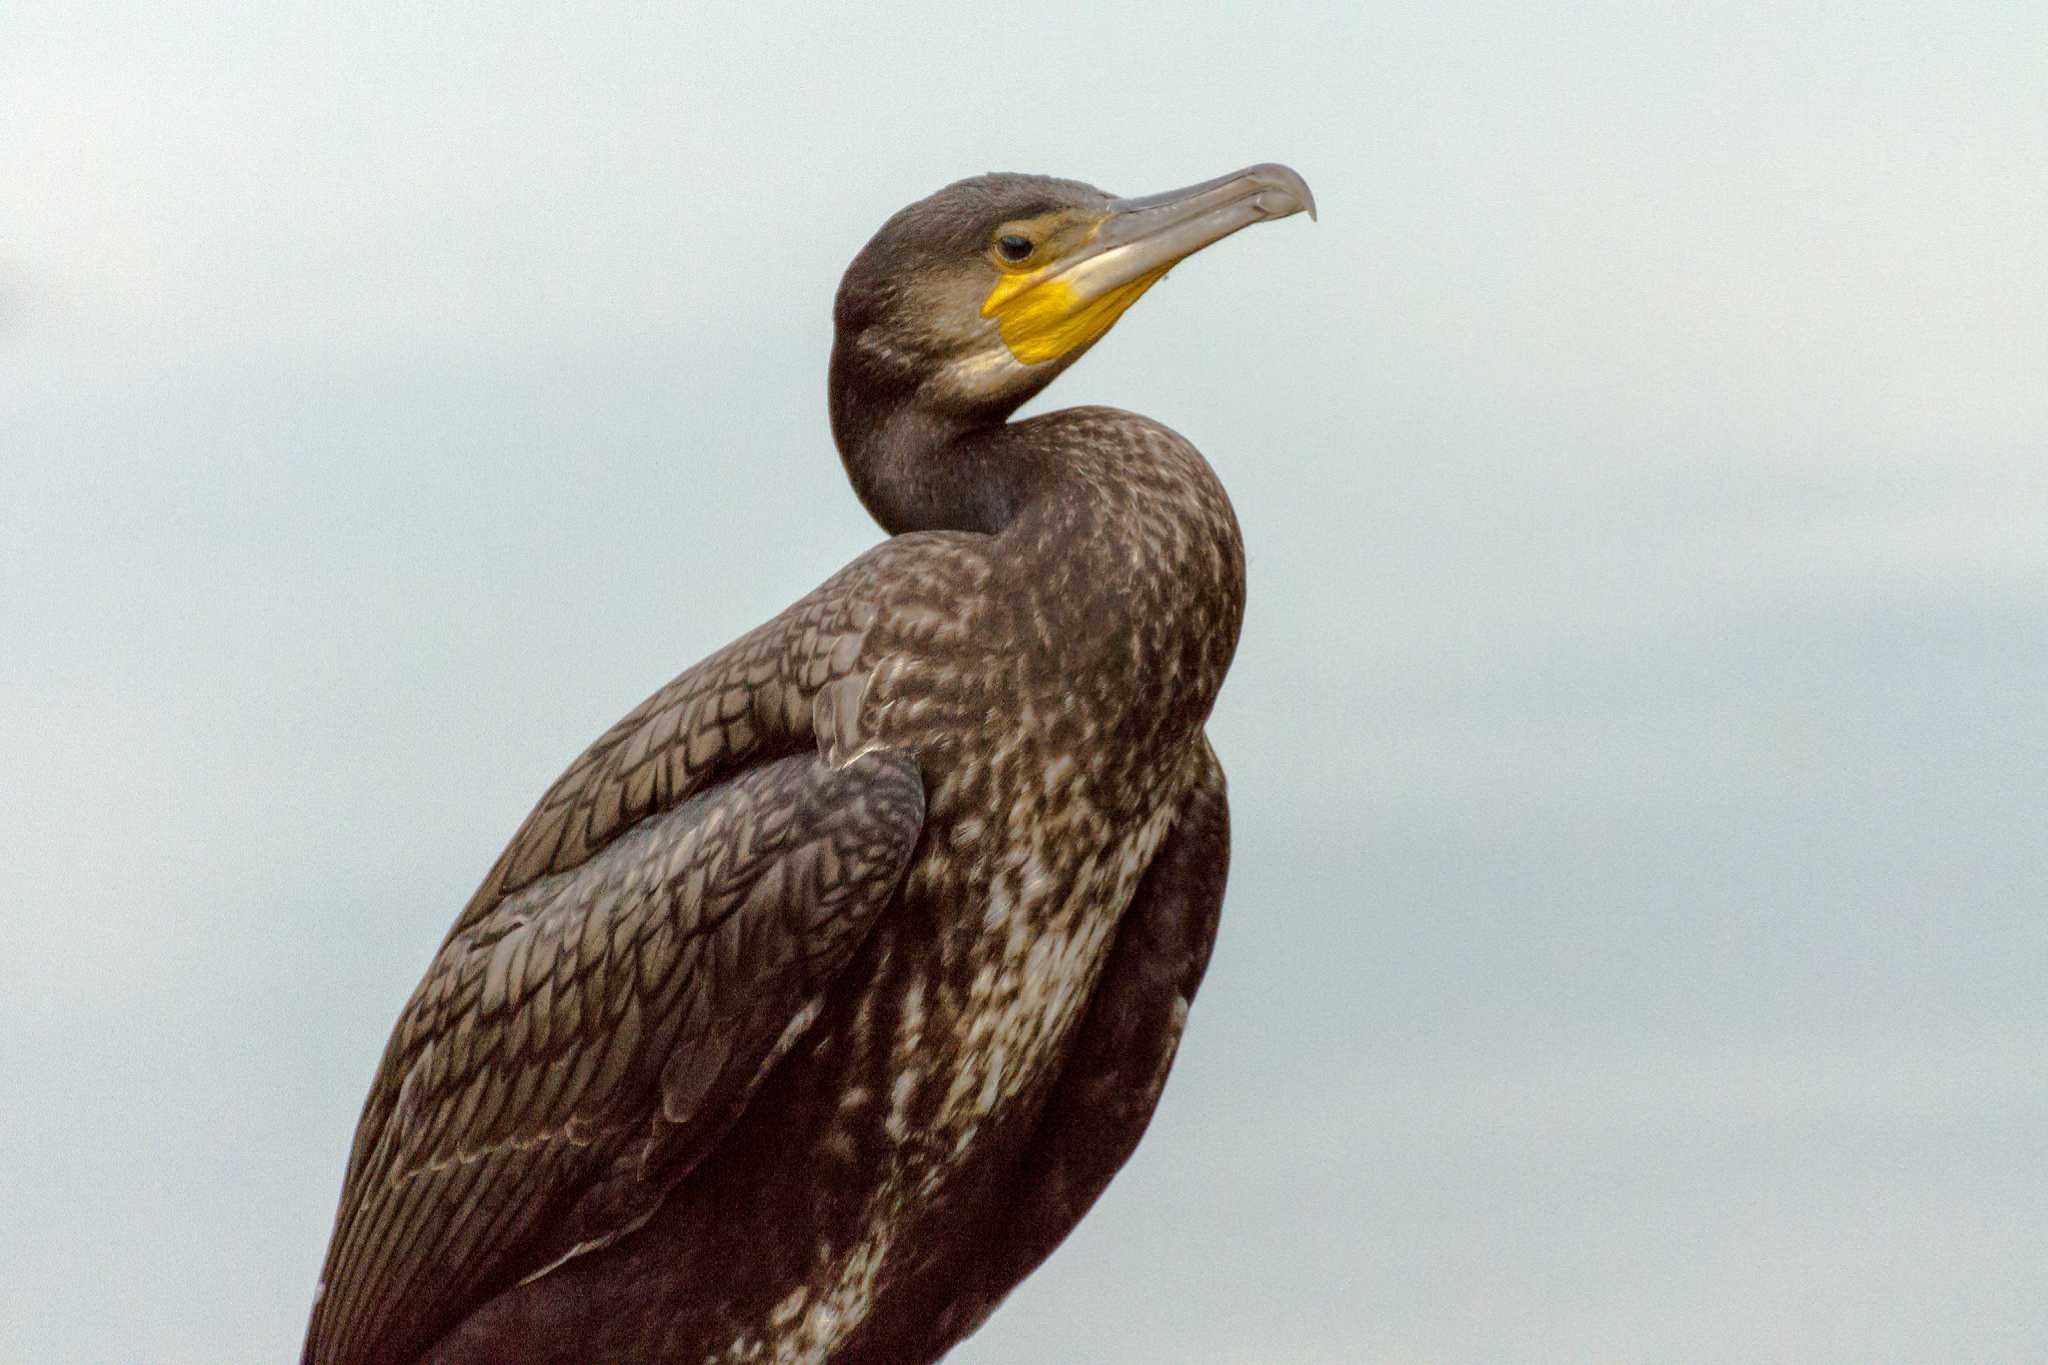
<point x="820" y="998"/>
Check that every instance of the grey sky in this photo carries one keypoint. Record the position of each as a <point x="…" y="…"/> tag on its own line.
<point x="1636" y="945"/>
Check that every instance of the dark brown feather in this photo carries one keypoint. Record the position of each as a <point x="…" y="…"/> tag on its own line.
<point x="1125" y="1046"/>
<point x="574" y="1049"/>
<point x="1106" y="1092"/>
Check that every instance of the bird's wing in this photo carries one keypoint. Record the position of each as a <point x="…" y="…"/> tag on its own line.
<point x="1112" y="1080"/>
<point x="483" y="1113"/>
<point x="749" y="700"/>
<point x="574" y="1050"/>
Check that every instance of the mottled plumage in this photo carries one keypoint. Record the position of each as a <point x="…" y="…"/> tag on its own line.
<point x="822" y="995"/>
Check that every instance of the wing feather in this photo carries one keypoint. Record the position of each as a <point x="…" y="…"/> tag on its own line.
<point x="599" y="1025"/>
<point x="751" y="697"/>
<point x="653" y="936"/>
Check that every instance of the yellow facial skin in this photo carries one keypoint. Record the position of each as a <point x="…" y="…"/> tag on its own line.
<point x="1042" y="316"/>
<point x="1043" y="319"/>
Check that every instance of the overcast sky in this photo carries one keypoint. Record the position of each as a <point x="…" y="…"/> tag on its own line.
<point x="1636" y="942"/>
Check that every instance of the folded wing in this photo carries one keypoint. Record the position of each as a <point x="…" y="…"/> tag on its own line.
<point x="579" y="1044"/>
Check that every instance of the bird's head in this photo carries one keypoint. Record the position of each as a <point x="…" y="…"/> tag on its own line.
<point x="968" y="302"/>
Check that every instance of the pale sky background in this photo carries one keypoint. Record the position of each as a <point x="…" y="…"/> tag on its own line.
<point x="1639" y="742"/>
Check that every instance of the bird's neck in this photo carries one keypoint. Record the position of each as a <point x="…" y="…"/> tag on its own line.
<point x="920" y="470"/>
<point x="924" y="465"/>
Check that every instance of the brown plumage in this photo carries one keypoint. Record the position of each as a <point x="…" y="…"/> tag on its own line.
<point x="821" y="996"/>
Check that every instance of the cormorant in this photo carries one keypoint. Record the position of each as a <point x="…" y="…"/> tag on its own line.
<point x="819" y="999"/>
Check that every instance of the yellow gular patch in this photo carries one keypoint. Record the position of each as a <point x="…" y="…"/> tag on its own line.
<point x="1042" y="319"/>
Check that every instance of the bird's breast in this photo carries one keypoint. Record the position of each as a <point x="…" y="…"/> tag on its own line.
<point x="974" y="986"/>
<point x="1024" y="920"/>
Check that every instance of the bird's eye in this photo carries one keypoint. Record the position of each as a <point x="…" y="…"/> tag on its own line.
<point x="1012" y="247"/>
